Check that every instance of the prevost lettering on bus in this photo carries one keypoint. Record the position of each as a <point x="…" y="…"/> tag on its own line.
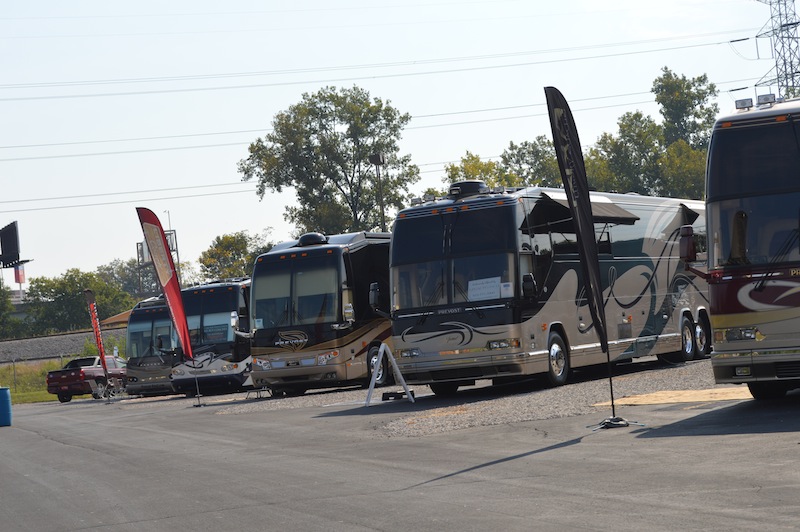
<point x="753" y="194"/>
<point x="498" y="273"/>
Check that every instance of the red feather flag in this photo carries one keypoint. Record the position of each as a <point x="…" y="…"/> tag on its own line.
<point x="167" y="276"/>
<point x="98" y="337"/>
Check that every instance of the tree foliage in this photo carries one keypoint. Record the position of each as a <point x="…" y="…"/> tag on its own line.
<point x="320" y="147"/>
<point x="666" y="159"/>
<point x="472" y="167"/>
<point x="10" y="327"/>
<point x="232" y="255"/>
<point x="531" y="164"/>
<point x="58" y="304"/>
<point x="688" y="114"/>
<point x="631" y="156"/>
<point x="525" y="164"/>
<point x="139" y="282"/>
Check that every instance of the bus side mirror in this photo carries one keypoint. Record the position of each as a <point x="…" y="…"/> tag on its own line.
<point x="528" y="286"/>
<point x="374" y="296"/>
<point x="688" y="251"/>
<point x="374" y="300"/>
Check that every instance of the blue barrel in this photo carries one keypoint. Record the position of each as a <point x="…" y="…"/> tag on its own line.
<point x="5" y="407"/>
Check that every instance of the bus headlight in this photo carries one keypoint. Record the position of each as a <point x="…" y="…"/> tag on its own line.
<point x="262" y="363"/>
<point x="736" y="334"/>
<point x="177" y="371"/>
<point x="229" y="367"/>
<point x="408" y="353"/>
<point x="506" y="343"/>
<point x="323" y="358"/>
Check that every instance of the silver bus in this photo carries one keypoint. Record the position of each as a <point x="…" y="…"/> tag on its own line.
<point x="221" y="360"/>
<point x="488" y="285"/>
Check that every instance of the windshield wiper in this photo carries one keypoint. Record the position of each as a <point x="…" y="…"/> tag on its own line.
<point x="784" y="250"/>
<point x="460" y="289"/>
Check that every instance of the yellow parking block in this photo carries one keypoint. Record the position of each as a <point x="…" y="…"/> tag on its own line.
<point x="731" y="393"/>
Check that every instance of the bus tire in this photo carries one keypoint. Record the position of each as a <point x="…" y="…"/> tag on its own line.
<point x="558" y="368"/>
<point x="444" y="389"/>
<point x="688" y="344"/>
<point x="702" y="337"/>
<point x="767" y="391"/>
<point x="383" y="372"/>
<point x="100" y="389"/>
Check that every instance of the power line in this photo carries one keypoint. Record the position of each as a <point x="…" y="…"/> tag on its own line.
<point x="263" y="12"/>
<point x="355" y="78"/>
<point x="121" y="152"/>
<point x="134" y="139"/>
<point x="415" y="117"/>
<point x="58" y="207"/>
<point x="102" y="194"/>
<point x="392" y="64"/>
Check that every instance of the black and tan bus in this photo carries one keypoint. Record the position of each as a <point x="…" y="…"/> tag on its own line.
<point x="311" y="321"/>
<point x="488" y="285"/>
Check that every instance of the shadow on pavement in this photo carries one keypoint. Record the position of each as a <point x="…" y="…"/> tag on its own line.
<point x="744" y="417"/>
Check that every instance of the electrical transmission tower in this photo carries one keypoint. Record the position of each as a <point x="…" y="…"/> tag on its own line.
<point x="785" y="47"/>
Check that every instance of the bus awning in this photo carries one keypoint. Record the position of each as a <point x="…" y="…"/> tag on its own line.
<point x="603" y="210"/>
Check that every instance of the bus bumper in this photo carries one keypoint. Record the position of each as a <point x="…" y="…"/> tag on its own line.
<point x="756" y="365"/>
<point x="422" y="371"/>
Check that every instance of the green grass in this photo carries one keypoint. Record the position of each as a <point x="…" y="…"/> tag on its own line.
<point x="26" y="381"/>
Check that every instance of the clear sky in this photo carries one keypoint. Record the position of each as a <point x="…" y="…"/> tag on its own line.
<point x="107" y="106"/>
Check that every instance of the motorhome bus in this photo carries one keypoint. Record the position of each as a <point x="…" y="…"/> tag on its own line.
<point x="221" y="360"/>
<point x="149" y="348"/>
<point x="753" y="212"/>
<point x="312" y="324"/>
<point x="488" y="285"/>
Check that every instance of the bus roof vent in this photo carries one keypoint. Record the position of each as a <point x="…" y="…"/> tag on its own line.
<point x="312" y="239"/>
<point x="464" y="189"/>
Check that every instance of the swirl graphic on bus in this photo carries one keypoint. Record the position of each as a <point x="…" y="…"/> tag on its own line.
<point x="463" y="331"/>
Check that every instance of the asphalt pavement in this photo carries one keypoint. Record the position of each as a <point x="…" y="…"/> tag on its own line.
<point x="704" y="462"/>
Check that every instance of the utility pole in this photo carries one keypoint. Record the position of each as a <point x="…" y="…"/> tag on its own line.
<point x="379" y="160"/>
<point x="785" y="48"/>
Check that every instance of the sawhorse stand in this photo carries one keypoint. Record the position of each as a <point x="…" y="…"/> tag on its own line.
<point x="384" y="350"/>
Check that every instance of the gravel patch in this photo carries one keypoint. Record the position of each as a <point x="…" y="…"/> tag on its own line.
<point x="483" y="405"/>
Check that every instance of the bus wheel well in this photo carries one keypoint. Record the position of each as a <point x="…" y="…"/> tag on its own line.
<point x="558" y="328"/>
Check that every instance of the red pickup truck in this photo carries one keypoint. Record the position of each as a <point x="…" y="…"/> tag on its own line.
<point x="85" y="375"/>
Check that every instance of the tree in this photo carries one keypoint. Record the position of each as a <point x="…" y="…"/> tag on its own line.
<point x="682" y="171"/>
<point x="688" y="114"/>
<point x="531" y="164"/>
<point x="58" y="304"/>
<point x="664" y="159"/>
<point x="232" y="255"/>
<point x="320" y="147"/>
<point x="472" y="167"/>
<point x="139" y="282"/>
<point x="631" y="157"/>
<point x="10" y="327"/>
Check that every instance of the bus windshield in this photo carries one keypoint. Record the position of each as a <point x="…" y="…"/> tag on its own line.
<point x="296" y="292"/>
<point x="148" y="334"/>
<point x="456" y="258"/>
<point x="208" y="315"/>
<point x="754" y="195"/>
